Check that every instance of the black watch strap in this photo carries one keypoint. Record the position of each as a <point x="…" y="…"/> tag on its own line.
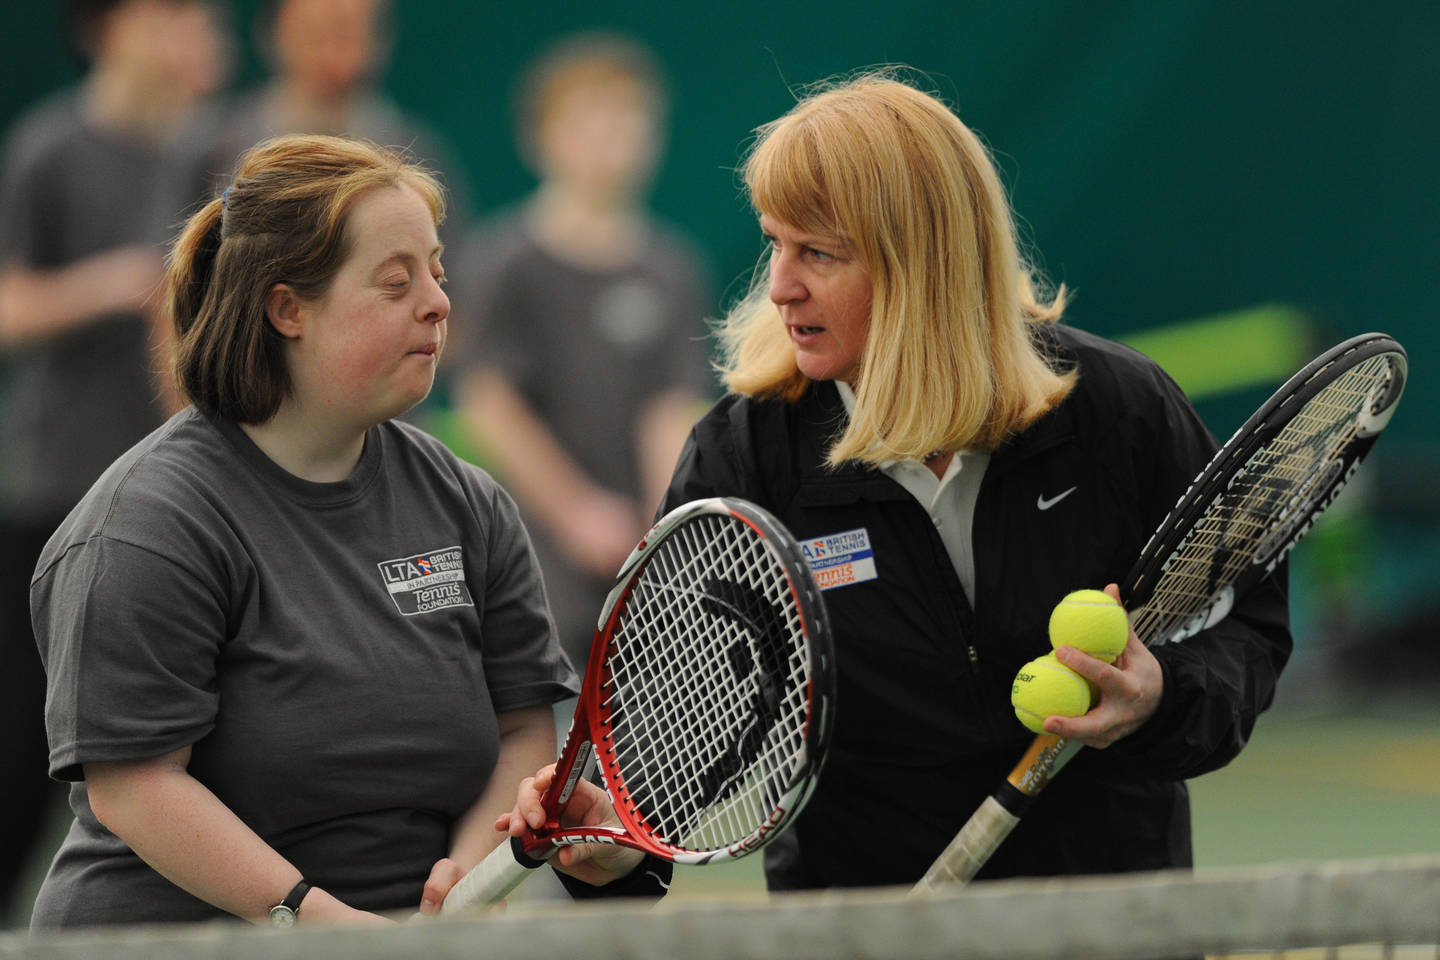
<point x="283" y="913"/>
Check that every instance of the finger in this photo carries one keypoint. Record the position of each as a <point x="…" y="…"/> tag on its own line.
<point x="527" y="809"/>
<point x="1094" y="669"/>
<point x="1079" y="729"/>
<point x="444" y="875"/>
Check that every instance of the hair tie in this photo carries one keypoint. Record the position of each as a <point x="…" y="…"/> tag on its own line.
<point x="225" y="198"/>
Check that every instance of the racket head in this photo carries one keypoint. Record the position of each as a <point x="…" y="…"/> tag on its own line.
<point x="1263" y="490"/>
<point x="710" y="691"/>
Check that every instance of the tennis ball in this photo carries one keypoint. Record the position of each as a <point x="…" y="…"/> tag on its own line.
<point x="1045" y="687"/>
<point x="1092" y="621"/>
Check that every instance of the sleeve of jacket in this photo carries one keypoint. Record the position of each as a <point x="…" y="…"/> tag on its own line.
<point x="1217" y="682"/>
<point x="650" y="880"/>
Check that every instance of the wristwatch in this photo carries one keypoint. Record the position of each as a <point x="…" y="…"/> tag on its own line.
<point x="283" y="913"/>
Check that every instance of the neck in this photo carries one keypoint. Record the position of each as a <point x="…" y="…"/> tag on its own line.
<point x="586" y="228"/>
<point x="117" y="99"/>
<point x="294" y="107"/>
<point x="939" y="463"/>
<point x="307" y="446"/>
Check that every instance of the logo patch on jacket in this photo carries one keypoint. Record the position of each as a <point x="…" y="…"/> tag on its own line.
<point x="427" y="581"/>
<point x="840" y="559"/>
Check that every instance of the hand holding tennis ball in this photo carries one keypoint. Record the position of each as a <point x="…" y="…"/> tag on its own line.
<point x="1091" y="621"/>
<point x="1045" y="687"/>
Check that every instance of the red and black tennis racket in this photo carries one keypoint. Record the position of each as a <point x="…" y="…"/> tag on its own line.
<point x="708" y="699"/>
<point x="1239" y="518"/>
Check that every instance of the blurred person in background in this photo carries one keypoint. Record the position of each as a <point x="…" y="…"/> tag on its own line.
<point x="579" y="323"/>
<point x="88" y="195"/>
<point x="325" y="58"/>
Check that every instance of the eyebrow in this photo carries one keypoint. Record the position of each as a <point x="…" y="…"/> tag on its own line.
<point x="816" y="241"/>
<point x="805" y="238"/>
<point x="408" y="257"/>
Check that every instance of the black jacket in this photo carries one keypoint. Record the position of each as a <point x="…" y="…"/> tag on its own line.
<point x="924" y="725"/>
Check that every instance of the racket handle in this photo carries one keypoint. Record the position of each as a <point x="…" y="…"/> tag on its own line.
<point x="982" y="834"/>
<point x="491" y="879"/>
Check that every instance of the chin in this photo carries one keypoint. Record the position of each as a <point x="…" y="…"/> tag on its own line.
<point x="821" y="369"/>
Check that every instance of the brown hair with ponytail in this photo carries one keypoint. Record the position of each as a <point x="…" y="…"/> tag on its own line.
<point x="282" y="220"/>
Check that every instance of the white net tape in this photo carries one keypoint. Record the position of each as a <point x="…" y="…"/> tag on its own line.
<point x="1342" y="909"/>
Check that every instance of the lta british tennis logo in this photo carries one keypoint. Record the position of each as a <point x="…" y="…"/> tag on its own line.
<point x="840" y="559"/>
<point x="428" y="581"/>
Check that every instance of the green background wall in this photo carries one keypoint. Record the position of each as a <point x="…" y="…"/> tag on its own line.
<point x="1168" y="161"/>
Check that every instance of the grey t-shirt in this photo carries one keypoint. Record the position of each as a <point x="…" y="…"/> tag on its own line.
<point x="335" y="654"/>
<point x="588" y="349"/>
<point x="77" y="401"/>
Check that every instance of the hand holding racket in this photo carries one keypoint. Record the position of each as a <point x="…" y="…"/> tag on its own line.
<point x="708" y="700"/>
<point x="1238" y="520"/>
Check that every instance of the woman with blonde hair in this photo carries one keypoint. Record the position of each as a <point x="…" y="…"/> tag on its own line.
<point x="298" y="653"/>
<point x="954" y="460"/>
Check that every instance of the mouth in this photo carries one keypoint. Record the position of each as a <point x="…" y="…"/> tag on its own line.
<point x="428" y="350"/>
<point x="802" y="333"/>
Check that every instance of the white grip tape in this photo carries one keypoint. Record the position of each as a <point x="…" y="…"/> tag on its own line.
<point x="987" y="827"/>
<point x="490" y="880"/>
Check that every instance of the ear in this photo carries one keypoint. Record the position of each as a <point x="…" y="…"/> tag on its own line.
<point x="285" y="311"/>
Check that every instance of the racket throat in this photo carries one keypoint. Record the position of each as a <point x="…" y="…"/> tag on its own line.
<point x="572" y="765"/>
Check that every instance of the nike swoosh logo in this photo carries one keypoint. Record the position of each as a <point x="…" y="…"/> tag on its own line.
<point x="1044" y="504"/>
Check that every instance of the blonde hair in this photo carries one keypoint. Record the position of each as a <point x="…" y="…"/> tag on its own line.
<point x="282" y="220"/>
<point x="951" y="361"/>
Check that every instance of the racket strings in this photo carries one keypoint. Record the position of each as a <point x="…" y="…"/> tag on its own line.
<point x="1265" y="504"/>
<point x="707" y="697"/>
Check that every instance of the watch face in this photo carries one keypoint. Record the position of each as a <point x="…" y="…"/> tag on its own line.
<point x="282" y="916"/>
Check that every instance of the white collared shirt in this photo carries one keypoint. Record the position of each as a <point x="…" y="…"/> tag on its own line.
<point x="949" y="500"/>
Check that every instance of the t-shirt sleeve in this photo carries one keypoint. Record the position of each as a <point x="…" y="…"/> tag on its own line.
<point x="129" y="640"/>
<point x="524" y="663"/>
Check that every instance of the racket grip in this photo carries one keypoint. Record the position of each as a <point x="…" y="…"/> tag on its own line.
<point x="491" y="879"/>
<point x="986" y="829"/>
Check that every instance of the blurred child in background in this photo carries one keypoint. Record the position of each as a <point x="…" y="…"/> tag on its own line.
<point x="579" y="324"/>
<point x="88" y="195"/>
<point x="325" y="58"/>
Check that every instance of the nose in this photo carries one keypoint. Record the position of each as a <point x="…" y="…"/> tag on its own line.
<point x="437" y="305"/>
<point x="785" y="284"/>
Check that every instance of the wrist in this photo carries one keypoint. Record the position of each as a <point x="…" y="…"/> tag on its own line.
<point x="287" y="911"/>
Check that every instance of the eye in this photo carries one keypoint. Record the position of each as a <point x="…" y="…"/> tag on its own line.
<point x="819" y="256"/>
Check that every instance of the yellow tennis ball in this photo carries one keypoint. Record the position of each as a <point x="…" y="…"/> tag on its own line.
<point x="1092" y="621"/>
<point x="1045" y="687"/>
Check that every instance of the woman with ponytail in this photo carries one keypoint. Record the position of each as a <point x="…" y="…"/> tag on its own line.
<point x="955" y="460"/>
<point x="298" y="654"/>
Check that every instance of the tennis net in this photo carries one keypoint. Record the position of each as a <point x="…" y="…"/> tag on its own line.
<point x="1338" y="909"/>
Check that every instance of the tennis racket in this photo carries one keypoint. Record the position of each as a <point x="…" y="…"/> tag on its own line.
<point x="708" y="699"/>
<point x="1260" y="493"/>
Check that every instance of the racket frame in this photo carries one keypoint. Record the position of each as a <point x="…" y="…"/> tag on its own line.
<point x="589" y="736"/>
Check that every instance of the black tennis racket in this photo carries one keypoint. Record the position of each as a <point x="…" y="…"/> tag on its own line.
<point x="708" y="699"/>
<point x="1238" y="520"/>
